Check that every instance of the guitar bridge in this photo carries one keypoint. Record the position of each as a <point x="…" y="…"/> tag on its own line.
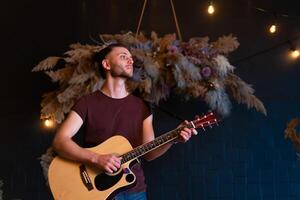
<point x="85" y="178"/>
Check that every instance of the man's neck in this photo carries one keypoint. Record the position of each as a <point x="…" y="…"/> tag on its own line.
<point x="115" y="88"/>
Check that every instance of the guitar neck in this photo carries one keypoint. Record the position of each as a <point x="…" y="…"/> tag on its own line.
<point x="157" y="142"/>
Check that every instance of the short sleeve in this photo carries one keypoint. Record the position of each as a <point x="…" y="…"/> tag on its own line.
<point x="81" y="108"/>
<point x="147" y="111"/>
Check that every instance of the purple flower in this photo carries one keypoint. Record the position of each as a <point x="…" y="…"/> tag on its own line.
<point x="172" y="49"/>
<point x="206" y="72"/>
<point x="205" y="50"/>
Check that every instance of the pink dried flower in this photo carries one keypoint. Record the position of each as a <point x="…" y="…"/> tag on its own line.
<point x="206" y="72"/>
<point x="172" y="49"/>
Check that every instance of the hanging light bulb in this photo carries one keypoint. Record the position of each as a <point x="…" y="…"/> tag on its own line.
<point x="211" y="8"/>
<point x="295" y="53"/>
<point x="273" y="28"/>
<point x="49" y="123"/>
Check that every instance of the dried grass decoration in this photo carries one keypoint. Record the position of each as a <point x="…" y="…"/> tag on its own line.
<point x="291" y="133"/>
<point x="197" y="68"/>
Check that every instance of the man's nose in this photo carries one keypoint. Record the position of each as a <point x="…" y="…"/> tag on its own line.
<point x="130" y="60"/>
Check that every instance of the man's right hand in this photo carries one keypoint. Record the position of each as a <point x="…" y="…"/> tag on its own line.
<point x="107" y="162"/>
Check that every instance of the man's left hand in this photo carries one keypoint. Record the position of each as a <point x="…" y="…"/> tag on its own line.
<point x="186" y="133"/>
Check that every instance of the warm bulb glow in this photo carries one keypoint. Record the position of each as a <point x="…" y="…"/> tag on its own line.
<point x="211" y="9"/>
<point x="295" y="53"/>
<point x="49" y="123"/>
<point x="273" y="28"/>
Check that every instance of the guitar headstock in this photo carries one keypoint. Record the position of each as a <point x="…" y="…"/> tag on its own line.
<point x="208" y="119"/>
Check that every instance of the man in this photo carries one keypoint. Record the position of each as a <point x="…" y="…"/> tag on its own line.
<point x="112" y="110"/>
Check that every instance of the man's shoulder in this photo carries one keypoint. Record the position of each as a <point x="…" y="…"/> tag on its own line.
<point x="89" y="96"/>
<point x="137" y="98"/>
<point x="140" y="100"/>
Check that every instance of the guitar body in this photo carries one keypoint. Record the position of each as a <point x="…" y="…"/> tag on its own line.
<point x="74" y="181"/>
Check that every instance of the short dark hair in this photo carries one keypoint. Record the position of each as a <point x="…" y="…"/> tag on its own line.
<point x="100" y="56"/>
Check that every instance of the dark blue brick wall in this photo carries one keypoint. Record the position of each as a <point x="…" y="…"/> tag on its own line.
<point x="246" y="157"/>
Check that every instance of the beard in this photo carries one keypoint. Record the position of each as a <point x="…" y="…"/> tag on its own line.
<point x="119" y="71"/>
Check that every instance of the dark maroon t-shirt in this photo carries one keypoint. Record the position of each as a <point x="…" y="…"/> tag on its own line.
<point x="105" y="117"/>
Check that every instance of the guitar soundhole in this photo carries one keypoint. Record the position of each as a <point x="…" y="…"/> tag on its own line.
<point x="104" y="181"/>
<point x="129" y="178"/>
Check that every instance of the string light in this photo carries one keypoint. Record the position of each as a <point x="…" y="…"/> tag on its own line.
<point x="273" y="28"/>
<point x="295" y="53"/>
<point x="49" y="123"/>
<point x="211" y="8"/>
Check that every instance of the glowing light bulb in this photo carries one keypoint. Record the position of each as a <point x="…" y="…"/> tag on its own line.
<point x="295" y="53"/>
<point x="49" y="123"/>
<point x="211" y="9"/>
<point x="273" y="28"/>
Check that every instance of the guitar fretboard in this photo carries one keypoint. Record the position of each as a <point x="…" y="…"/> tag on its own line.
<point x="159" y="141"/>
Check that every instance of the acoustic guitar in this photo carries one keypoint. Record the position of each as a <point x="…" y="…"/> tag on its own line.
<point x="71" y="180"/>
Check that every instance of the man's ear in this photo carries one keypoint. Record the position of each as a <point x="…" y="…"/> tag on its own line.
<point x="105" y="64"/>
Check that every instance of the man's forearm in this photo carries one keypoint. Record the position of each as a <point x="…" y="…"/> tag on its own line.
<point x="70" y="150"/>
<point x="158" y="152"/>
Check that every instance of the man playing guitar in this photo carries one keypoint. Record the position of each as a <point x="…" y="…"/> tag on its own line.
<point x="108" y="112"/>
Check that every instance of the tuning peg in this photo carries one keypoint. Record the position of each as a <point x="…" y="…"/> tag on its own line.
<point x="215" y="121"/>
<point x="203" y="128"/>
<point x="203" y="115"/>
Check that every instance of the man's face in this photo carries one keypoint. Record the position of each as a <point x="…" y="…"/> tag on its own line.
<point x="120" y="62"/>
